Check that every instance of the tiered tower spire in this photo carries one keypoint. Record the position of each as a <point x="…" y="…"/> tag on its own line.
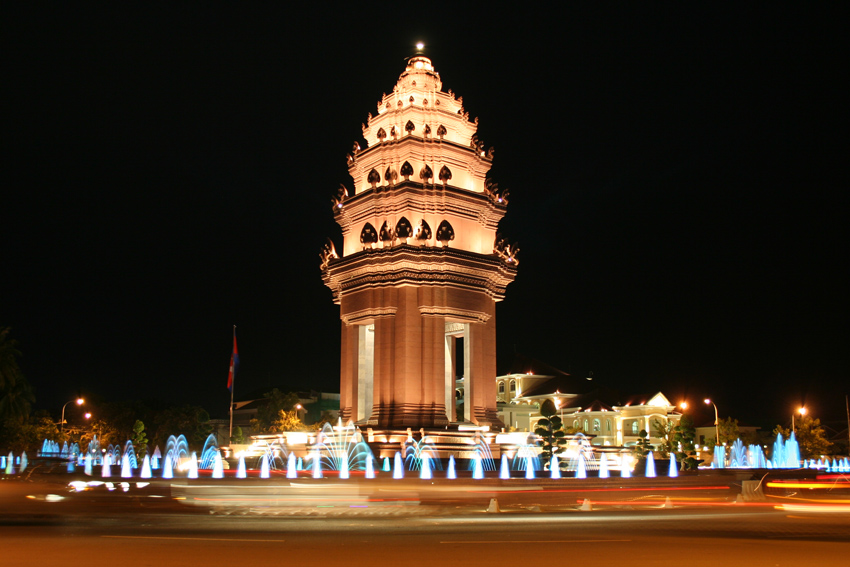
<point x="421" y="265"/>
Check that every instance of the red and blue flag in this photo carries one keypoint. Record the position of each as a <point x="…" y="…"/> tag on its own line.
<point x="234" y="364"/>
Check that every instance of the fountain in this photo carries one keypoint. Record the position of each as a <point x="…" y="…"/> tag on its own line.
<point x="193" y="466"/>
<point x="477" y="467"/>
<point x="341" y="448"/>
<point x="126" y="468"/>
<point x="264" y="465"/>
<point x="317" y="465"/>
<point x="603" y="466"/>
<point x="673" y="472"/>
<point x="581" y="466"/>
<point x="218" y="466"/>
<point x="414" y="453"/>
<point x="554" y="467"/>
<point x="209" y="453"/>
<point x="240" y="468"/>
<point x="291" y="466"/>
<point x="425" y="472"/>
<point x="10" y="463"/>
<point x="719" y="459"/>
<point x="398" y="467"/>
<point x="168" y="467"/>
<point x="650" y="465"/>
<point x="386" y="467"/>
<point x="370" y="466"/>
<point x="178" y="449"/>
<point x="529" y="467"/>
<point x="504" y="469"/>
<point x="146" y="468"/>
<point x="786" y="454"/>
<point x="451" y="474"/>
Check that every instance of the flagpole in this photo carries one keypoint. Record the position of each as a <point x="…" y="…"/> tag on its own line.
<point x="230" y="434"/>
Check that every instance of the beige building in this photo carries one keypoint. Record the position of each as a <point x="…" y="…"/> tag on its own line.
<point x="421" y="266"/>
<point x="597" y="412"/>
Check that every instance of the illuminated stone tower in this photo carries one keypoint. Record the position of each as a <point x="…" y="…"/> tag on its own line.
<point x="421" y="265"/>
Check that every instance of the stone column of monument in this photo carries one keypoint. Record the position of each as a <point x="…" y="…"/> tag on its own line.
<point x="421" y="264"/>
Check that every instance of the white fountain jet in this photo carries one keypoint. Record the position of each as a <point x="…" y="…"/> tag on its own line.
<point x="529" y="467"/>
<point x="505" y="468"/>
<point x="603" y="466"/>
<point x="291" y="469"/>
<point x="370" y="466"/>
<point x="146" y="467"/>
<point x="398" y="466"/>
<point x="581" y="466"/>
<point x="554" y="467"/>
<point x="477" y="467"/>
<point x="425" y="472"/>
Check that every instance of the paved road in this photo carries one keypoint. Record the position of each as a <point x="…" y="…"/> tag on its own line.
<point x="45" y="524"/>
<point x="660" y="537"/>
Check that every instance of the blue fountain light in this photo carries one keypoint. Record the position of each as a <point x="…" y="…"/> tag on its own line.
<point x="529" y="467"/>
<point x="193" y="466"/>
<point x="291" y="466"/>
<point x="477" y="467"/>
<point x="650" y="465"/>
<point x="370" y="466"/>
<point x="425" y="471"/>
<point x="398" y="466"/>
<point x="554" y="467"/>
<point x="451" y="473"/>
<point x="581" y="466"/>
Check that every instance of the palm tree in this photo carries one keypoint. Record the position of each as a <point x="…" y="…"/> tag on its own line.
<point x="16" y="397"/>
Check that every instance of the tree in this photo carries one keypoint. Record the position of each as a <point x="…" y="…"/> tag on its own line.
<point x="28" y="433"/>
<point x="16" y="397"/>
<point x="237" y="437"/>
<point x="139" y="439"/>
<point x="810" y="435"/>
<point x="105" y="432"/>
<point x="269" y="413"/>
<point x="729" y="431"/>
<point x="665" y="432"/>
<point x="684" y="443"/>
<point x="642" y="446"/>
<point x="287" y="421"/>
<point x="549" y="429"/>
<point x="188" y="420"/>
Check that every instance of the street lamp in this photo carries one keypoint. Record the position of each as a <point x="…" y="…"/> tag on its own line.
<point x="802" y="411"/>
<point x="716" y="422"/>
<point x="79" y="402"/>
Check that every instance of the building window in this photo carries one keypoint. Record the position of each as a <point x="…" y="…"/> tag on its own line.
<point x="635" y="427"/>
<point x="596" y="426"/>
<point x="501" y="387"/>
<point x="513" y="386"/>
<point x="608" y="425"/>
<point x="585" y="425"/>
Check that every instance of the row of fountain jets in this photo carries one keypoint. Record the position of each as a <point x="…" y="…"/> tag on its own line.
<point x="344" y="451"/>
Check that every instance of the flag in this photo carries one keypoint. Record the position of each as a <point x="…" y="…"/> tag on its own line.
<point x="234" y="364"/>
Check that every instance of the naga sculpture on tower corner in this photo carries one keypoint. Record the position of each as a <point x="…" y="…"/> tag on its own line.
<point x="409" y="296"/>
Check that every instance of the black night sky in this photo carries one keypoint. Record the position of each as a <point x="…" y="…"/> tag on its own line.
<point x="677" y="176"/>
